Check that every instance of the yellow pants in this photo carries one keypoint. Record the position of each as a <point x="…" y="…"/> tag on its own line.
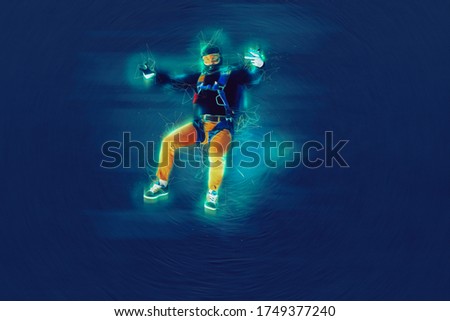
<point x="187" y="135"/>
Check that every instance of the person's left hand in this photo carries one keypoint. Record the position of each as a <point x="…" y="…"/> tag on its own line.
<point x="255" y="58"/>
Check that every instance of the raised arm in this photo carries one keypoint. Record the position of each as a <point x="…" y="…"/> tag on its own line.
<point x="253" y="75"/>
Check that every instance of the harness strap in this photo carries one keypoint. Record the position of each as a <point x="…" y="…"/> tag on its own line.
<point x="219" y="87"/>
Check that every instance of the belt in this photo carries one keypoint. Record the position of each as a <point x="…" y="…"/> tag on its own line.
<point x="213" y="118"/>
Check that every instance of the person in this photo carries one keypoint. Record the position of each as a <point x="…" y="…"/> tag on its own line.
<point x="218" y="91"/>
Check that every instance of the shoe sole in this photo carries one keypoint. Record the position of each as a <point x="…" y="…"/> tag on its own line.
<point x="155" y="197"/>
<point x="210" y="208"/>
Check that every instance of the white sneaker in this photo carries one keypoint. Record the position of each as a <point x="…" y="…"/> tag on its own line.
<point x="211" y="200"/>
<point x="157" y="190"/>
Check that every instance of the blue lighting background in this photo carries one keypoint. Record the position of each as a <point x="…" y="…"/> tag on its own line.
<point x="373" y="72"/>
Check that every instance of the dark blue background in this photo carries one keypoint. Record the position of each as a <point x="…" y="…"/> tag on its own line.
<point x="374" y="72"/>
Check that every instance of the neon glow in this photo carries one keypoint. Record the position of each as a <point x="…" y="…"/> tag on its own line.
<point x="148" y="76"/>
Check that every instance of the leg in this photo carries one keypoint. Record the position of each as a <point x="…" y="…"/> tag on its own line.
<point x="183" y="136"/>
<point x="218" y="148"/>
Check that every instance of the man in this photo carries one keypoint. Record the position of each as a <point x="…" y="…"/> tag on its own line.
<point x="216" y="101"/>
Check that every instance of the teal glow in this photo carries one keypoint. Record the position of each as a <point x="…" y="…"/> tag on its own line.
<point x="149" y="76"/>
<point x="248" y="56"/>
<point x="210" y="209"/>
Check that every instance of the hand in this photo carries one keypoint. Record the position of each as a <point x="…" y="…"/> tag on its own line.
<point x="255" y="58"/>
<point x="146" y="71"/>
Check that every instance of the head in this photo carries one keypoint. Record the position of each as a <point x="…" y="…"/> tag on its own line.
<point x="211" y="57"/>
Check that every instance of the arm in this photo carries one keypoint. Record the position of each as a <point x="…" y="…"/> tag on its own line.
<point x="252" y="75"/>
<point x="163" y="78"/>
<point x="255" y="76"/>
<point x="178" y="82"/>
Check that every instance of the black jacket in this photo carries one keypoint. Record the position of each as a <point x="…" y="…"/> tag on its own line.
<point x="206" y="102"/>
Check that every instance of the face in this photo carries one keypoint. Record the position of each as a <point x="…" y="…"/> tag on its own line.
<point x="211" y="59"/>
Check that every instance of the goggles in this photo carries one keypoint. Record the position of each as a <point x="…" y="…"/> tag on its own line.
<point x="211" y="59"/>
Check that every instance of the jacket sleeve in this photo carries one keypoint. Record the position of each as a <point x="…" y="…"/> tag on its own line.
<point x="178" y="82"/>
<point x="248" y="76"/>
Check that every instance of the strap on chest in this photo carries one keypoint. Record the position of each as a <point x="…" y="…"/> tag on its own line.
<point x="219" y="87"/>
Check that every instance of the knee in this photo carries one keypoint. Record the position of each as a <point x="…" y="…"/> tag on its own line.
<point x="168" y="142"/>
<point x="216" y="161"/>
<point x="215" y="151"/>
<point x="220" y="143"/>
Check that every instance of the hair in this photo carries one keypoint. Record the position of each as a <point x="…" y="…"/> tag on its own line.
<point x="210" y="50"/>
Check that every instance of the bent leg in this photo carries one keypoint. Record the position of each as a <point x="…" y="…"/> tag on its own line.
<point x="217" y="150"/>
<point x="182" y="136"/>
